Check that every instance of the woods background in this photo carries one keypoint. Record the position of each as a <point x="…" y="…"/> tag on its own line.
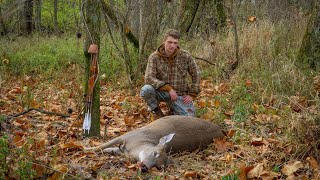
<point x="259" y="60"/>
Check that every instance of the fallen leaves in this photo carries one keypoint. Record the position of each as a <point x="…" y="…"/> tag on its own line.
<point x="313" y="163"/>
<point x="222" y="145"/>
<point x="243" y="153"/>
<point x="222" y="88"/>
<point x="15" y="90"/>
<point x="72" y="145"/>
<point x="257" y="141"/>
<point x="255" y="172"/>
<point x="190" y="174"/>
<point x="290" y="168"/>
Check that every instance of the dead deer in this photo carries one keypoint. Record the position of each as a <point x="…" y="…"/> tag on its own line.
<point x="150" y="145"/>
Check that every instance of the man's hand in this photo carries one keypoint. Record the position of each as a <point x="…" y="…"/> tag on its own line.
<point x="173" y="95"/>
<point x="187" y="99"/>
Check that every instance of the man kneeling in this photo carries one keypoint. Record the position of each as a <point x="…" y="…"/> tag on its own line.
<point x="166" y="78"/>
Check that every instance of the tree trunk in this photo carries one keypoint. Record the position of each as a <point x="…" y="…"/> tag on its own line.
<point x="148" y="29"/>
<point x="38" y="15"/>
<point x="55" y="15"/>
<point x="3" y="29"/>
<point x="310" y="48"/>
<point x="234" y="15"/>
<point x="92" y="26"/>
<point x="180" y="14"/>
<point x="127" y="59"/>
<point x="191" y="11"/>
<point x="27" y="23"/>
<point x="222" y="19"/>
<point x="133" y="7"/>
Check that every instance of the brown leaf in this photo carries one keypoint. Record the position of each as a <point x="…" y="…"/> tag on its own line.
<point x="231" y="133"/>
<point x="18" y="140"/>
<point x="129" y="120"/>
<point x="60" y="170"/>
<point x="40" y="140"/>
<point x="229" y="113"/>
<point x="16" y="90"/>
<point x="222" y="88"/>
<point x="190" y="174"/>
<point x="40" y="170"/>
<point x="69" y="145"/>
<point x="216" y="103"/>
<point x="316" y="174"/>
<point x="252" y="19"/>
<point x="222" y="145"/>
<point x="291" y="168"/>
<point x="256" y="171"/>
<point x="313" y="163"/>
<point x="208" y="115"/>
<point x="228" y="157"/>
<point x="244" y="171"/>
<point x="29" y="81"/>
<point x="257" y="141"/>
<point x="269" y="175"/>
<point x="202" y="104"/>
<point x="206" y="83"/>
<point x="248" y="83"/>
<point x="255" y="107"/>
<point x="35" y="104"/>
<point x="297" y="103"/>
<point x="5" y="61"/>
<point x="316" y="83"/>
<point x="133" y="167"/>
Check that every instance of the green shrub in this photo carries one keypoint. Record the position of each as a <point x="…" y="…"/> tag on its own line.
<point x="4" y="152"/>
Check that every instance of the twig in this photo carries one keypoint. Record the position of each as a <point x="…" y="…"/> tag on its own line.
<point x="207" y="61"/>
<point x="53" y="169"/>
<point x="39" y="110"/>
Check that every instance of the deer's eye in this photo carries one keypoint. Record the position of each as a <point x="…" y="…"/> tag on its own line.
<point x="155" y="154"/>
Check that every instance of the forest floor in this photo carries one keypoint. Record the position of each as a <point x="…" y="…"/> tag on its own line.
<point x="256" y="148"/>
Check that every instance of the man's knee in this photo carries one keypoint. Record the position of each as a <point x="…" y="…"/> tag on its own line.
<point x="147" y="90"/>
<point x="181" y="108"/>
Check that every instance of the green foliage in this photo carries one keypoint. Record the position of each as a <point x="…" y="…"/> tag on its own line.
<point x="66" y="14"/>
<point x="230" y="177"/>
<point x="240" y="113"/>
<point x="111" y="64"/>
<point x="4" y="152"/>
<point x="24" y="169"/>
<point x="243" y="103"/>
<point x="2" y="118"/>
<point x="52" y="56"/>
<point x="19" y="158"/>
<point x="201" y="111"/>
<point x="276" y="168"/>
<point x="45" y="56"/>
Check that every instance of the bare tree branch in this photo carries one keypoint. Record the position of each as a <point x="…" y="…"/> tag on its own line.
<point x="111" y="14"/>
<point x="39" y="110"/>
<point x="205" y="60"/>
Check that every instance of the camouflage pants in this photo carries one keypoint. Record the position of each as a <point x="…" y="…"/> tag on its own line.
<point x="153" y="97"/>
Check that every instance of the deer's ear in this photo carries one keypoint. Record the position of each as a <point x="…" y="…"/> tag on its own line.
<point x="165" y="139"/>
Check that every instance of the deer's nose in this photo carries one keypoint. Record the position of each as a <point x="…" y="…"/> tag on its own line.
<point x="143" y="168"/>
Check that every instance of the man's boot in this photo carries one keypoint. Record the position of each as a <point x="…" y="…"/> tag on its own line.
<point x="157" y="111"/>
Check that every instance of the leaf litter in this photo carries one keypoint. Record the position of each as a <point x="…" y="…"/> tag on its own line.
<point x="254" y="149"/>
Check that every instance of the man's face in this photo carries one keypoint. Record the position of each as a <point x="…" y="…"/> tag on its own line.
<point x="170" y="45"/>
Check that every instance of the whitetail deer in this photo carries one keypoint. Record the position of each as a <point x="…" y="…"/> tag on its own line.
<point x="150" y="145"/>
